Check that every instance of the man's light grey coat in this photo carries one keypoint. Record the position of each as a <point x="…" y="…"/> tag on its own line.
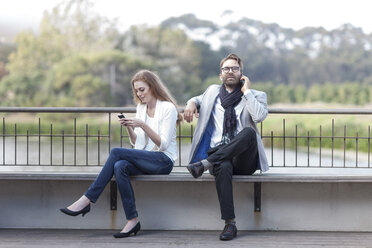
<point x="255" y="110"/>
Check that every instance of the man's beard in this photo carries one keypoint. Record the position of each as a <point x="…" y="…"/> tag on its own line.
<point x="231" y="83"/>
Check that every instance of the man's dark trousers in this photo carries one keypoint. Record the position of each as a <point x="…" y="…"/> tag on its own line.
<point x="239" y="157"/>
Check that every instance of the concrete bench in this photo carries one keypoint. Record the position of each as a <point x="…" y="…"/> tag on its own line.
<point x="328" y="183"/>
<point x="180" y="174"/>
<point x="275" y="174"/>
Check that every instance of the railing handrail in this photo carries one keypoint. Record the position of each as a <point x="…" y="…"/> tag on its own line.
<point x="69" y="109"/>
<point x="133" y="109"/>
<point x="320" y="111"/>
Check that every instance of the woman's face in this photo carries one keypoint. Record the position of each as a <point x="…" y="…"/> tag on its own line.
<point x="143" y="91"/>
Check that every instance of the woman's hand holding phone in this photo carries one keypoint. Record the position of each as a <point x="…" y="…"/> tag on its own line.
<point x="130" y="122"/>
<point x="122" y="119"/>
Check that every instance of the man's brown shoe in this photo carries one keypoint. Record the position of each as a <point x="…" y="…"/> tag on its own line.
<point x="196" y="169"/>
<point x="229" y="232"/>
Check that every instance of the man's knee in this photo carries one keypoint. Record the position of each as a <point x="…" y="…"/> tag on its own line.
<point x="249" y="133"/>
<point x="224" y="168"/>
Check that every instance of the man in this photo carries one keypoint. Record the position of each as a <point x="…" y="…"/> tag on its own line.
<point x="226" y="139"/>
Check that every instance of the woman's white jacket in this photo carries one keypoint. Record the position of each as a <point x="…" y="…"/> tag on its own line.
<point x="165" y="126"/>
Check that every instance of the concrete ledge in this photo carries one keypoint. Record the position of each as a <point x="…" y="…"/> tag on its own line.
<point x="170" y="205"/>
<point x="279" y="174"/>
<point x="321" y="199"/>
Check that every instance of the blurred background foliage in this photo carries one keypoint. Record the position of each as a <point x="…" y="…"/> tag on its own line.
<point x="79" y="58"/>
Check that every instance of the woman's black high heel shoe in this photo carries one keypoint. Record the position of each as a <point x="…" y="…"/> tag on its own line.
<point x="75" y="213"/>
<point x="134" y="230"/>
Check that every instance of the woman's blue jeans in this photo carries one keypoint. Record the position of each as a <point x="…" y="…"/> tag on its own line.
<point x="126" y="162"/>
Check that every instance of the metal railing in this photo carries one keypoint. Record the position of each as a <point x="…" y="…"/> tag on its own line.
<point x="80" y="147"/>
<point x="320" y="138"/>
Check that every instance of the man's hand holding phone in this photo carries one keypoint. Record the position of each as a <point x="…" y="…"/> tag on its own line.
<point x="246" y="83"/>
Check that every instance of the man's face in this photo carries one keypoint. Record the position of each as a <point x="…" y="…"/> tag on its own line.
<point x="229" y="74"/>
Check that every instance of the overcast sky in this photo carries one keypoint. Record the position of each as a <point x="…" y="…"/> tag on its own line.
<point x="287" y="13"/>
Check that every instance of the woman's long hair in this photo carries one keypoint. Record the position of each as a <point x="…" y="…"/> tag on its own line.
<point x="157" y="88"/>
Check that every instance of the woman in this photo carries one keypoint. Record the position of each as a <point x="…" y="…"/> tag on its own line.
<point x="153" y="134"/>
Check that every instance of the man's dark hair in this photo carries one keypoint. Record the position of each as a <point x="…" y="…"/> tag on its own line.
<point x="234" y="57"/>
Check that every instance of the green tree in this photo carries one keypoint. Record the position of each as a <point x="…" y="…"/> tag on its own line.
<point x="172" y="54"/>
<point x="329" y="93"/>
<point x="314" y="93"/>
<point x="300" y="92"/>
<point x="3" y="71"/>
<point x="70" y="29"/>
<point x="95" y="79"/>
<point x="21" y="90"/>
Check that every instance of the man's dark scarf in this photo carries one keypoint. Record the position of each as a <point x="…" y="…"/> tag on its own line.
<point x="228" y="102"/>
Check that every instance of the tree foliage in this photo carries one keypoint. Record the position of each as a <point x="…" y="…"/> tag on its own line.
<point x="95" y="79"/>
<point x="80" y="58"/>
<point x="353" y="93"/>
<point x="71" y="29"/>
<point x="175" y="56"/>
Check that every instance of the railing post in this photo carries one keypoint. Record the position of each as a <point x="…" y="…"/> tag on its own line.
<point x="75" y="141"/>
<point x="179" y="144"/>
<point x="86" y="144"/>
<point x="333" y="137"/>
<point x="283" y="142"/>
<point x="39" y="148"/>
<point x="356" y="148"/>
<point x="15" y="144"/>
<point x="99" y="147"/>
<point x="109" y="133"/>
<point x="320" y="146"/>
<point x="27" y="144"/>
<point x="51" y="144"/>
<point x="308" y="148"/>
<point x="369" y="145"/>
<point x="63" y="147"/>
<point x="3" y="140"/>
<point x="344" y="146"/>
<point x="272" y="149"/>
<point x="296" y="142"/>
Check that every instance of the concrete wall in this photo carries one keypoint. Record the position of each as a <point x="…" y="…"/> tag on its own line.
<point x="192" y="205"/>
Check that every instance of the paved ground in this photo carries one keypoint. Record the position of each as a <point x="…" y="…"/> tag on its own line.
<point x="11" y="238"/>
